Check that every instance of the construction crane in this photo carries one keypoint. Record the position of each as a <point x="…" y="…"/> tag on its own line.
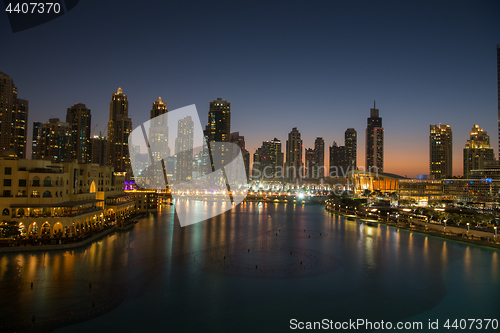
<point x="93" y="130"/>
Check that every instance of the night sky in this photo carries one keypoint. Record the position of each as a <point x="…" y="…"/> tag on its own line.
<point x="314" y="65"/>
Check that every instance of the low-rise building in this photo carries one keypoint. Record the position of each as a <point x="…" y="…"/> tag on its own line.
<point x="61" y="198"/>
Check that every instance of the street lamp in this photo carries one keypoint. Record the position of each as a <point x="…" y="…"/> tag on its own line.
<point x="468" y="227"/>
<point x="495" y="232"/>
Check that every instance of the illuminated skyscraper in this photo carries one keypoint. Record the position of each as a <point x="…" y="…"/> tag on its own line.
<point x="219" y="127"/>
<point x="37" y="132"/>
<point x="374" y="142"/>
<point x="13" y="118"/>
<point x="184" y="150"/>
<point x="119" y="128"/>
<point x="271" y="160"/>
<point x="441" y="151"/>
<point x="219" y="121"/>
<point x="477" y="151"/>
<point x="351" y="148"/>
<point x="78" y="117"/>
<point x="294" y="162"/>
<point x="158" y="131"/>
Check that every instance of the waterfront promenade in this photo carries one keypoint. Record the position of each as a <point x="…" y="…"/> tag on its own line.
<point x="473" y="236"/>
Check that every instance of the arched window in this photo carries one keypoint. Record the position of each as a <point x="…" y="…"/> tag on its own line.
<point x="47" y="181"/>
<point x="47" y="194"/>
<point x="36" y="181"/>
<point x="20" y="212"/>
<point x="5" y="212"/>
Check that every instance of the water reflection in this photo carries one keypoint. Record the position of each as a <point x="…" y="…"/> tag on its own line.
<point x="382" y="272"/>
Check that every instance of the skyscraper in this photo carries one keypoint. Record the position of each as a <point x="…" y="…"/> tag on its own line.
<point x="239" y="140"/>
<point x="338" y="162"/>
<point x="78" y="117"/>
<point x="294" y="162"/>
<point x="477" y="151"/>
<point x="319" y="158"/>
<point x="20" y="128"/>
<point x="37" y="132"/>
<point x="441" y="151"/>
<point x="271" y="160"/>
<point x="219" y="121"/>
<point x="219" y="127"/>
<point x="55" y="141"/>
<point x="310" y="163"/>
<point x="256" y="166"/>
<point x="374" y="142"/>
<point x="158" y="131"/>
<point x="119" y="128"/>
<point x="184" y="149"/>
<point x="99" y="150"/>
<point x="351" y="148"/>
<point x="13" y="118"/>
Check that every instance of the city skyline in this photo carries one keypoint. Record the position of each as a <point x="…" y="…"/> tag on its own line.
<point x="409" y="66"/>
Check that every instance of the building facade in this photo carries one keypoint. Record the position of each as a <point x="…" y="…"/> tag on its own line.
<point x="61" y="199"/>
<point x="55" y="141"/>
<point x="99" y="150"/>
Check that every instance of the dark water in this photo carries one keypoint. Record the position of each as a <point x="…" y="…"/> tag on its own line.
<point x="252" y="269"/>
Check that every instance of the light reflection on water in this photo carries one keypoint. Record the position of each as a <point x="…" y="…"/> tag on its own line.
<point x="381" y="273"/>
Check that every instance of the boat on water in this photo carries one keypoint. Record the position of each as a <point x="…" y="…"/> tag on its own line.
<point x="371" y="224"/>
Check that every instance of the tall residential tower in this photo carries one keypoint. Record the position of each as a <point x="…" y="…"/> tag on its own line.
<point x="13" y="118"/>
<point x="78" y="117"/>
<point x="441" y="151"/>
<point x="119" y="128"/>
<point x="293" y="167"/>
<point x="374" y="142"/>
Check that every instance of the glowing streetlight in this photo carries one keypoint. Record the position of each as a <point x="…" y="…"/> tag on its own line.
<point x="495" y="232"/>
<point x="468" y="227"/>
